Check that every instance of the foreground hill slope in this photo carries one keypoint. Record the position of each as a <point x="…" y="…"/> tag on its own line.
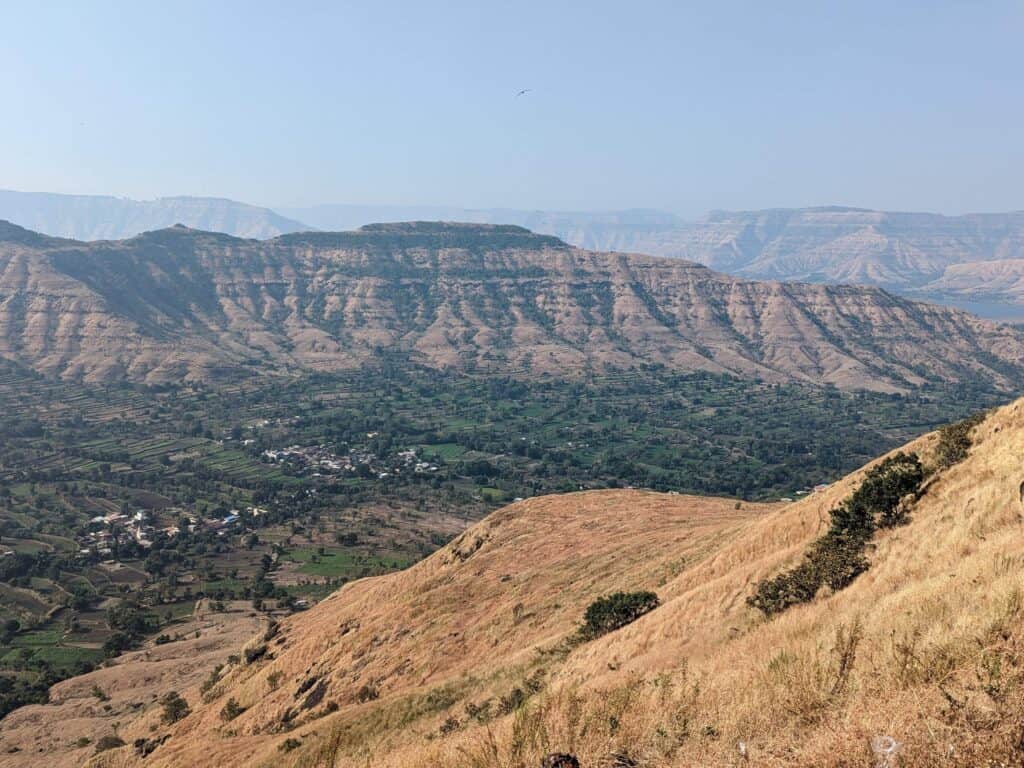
<point x="180" y="304"/>
<point x="467" y="659"/>
<point x="471" y="621"/>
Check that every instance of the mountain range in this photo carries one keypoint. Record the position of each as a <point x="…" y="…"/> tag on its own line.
<point x="97" y="217"/>
<point x="178" y="304"/>
<point x="974" y="261"/>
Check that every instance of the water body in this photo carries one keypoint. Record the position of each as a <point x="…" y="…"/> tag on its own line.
<point x="1001" y="311"/>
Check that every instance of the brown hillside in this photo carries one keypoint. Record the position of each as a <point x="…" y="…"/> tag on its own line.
<point x="469" y="621"/>
<point x="180" y="304"/>
<point x="935" y="659"/>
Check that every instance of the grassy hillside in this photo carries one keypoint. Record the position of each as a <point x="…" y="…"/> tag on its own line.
<point x="472" y="657"/>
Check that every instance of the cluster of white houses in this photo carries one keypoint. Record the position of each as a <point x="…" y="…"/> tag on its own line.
<point x="141" y="527"/>
<point x="320" y="459"/>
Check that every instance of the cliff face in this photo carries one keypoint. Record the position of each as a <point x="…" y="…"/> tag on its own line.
<point x="177" y="303"/>
<point x="918" y="254"/>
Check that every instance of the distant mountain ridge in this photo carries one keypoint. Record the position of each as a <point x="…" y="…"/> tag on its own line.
<point x="96" y="217"/>
<point x="950" y="259"/>
<point x="183" y="304"/>
<point x="974" y="261"/>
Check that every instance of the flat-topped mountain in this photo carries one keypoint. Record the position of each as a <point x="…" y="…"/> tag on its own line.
<point x="179" y="304"/>
<point x="100" y="217"/>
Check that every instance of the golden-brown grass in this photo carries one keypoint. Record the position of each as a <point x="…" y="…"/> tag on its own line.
<point x="394" y="657"/>
<point x="927" y="646"/>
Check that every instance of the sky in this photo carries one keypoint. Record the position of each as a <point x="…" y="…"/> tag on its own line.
<point x="681" y="106"/>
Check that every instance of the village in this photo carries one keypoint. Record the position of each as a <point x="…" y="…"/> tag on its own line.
<point x="319" y="460"/>
<point x="143" y="526"/>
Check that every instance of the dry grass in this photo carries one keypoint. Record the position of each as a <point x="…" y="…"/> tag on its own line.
<point x="926" y="647"/>
<point x="47" y="735"/>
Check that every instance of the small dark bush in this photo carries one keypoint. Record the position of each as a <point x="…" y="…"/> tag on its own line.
<point x="175" y="708"/>
<point x="231" y="710"/>
<point x="955" y="441"/>
<point x="108" y="742"/>
<point x="367" y="693"/>
<point x="512" y="701"/>
<point x="212" y="679"/>
<point x="289" y="744"/>
<point x="606" y="614"/>
<point x="255" y="654"/>
<point x="451" y="725"/>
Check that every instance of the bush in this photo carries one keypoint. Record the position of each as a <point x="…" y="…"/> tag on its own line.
<point x="231" y="710"/>
<point x="955" y="441"/>
<point x="606" y="614"/>
<point x="175" y="708"/>
<point x="289" y="744"/>
<point x="876" y="502"/>
<point x="255" y="654"/>
<point x="108" y="742"/>
<point x="212" y="679"/>
<point x="367" y="693"/>
<point x="837" y="558"/>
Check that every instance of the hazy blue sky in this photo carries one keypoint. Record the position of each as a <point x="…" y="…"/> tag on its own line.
<point x="674" y="105"/>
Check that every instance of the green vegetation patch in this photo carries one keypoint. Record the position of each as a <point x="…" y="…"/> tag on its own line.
<point x="837" y="558"/>
<point x="606" y="614"/>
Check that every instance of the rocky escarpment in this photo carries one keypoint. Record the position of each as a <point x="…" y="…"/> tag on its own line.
<point x="918" y="254"/>
<point x="177" y="303"/>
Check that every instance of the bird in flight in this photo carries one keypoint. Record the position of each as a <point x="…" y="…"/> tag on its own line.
<point x="525" y="90"/>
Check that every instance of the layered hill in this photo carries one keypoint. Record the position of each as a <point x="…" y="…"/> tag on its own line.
<point x="945" y="258"/>
<point x="182" y="304"/>
<point x="98" y="217"/>
<point x="471" y="658"/>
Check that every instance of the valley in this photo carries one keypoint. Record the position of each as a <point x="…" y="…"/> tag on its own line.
<point x="206" y="435"/>
<point x="475" y="656"/>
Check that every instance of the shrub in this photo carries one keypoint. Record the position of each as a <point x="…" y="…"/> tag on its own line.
<point x="837" y="558"/>
<point x="175" y="708"/>
<point x="367" y="693"/>
<point x="212" y="679"/>
<point x="449" y="726"/>
<point x="955" y="441"/>
<point x="231" y="710"/>
<point x="108" y="742"/>
<point x="255" y="654"/>
<point x="606" y="614"/>
<point x="877" y="499"/>
<point x="289" y="744"/>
